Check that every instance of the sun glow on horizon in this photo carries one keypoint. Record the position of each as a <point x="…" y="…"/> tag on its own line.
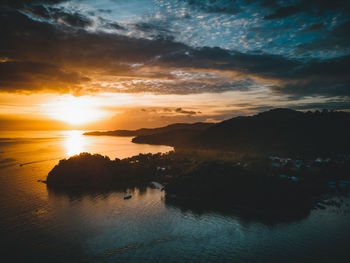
<point x="74" y="142"/>
<point x="75" y="110"/>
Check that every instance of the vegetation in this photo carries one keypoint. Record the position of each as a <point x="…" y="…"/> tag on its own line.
<point x="87" y="171"/>
<point x="206" y="177"/>
<point x="233" y="184"/>
<point x="278" y="131"/>
<point x="229" y="162"/>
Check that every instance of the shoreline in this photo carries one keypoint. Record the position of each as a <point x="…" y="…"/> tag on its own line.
<point x="189" y="179"/>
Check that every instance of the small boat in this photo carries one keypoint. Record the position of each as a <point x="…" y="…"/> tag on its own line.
<point x="127" y="197"/>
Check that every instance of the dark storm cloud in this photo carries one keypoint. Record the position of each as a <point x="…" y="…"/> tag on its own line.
<point x="155" y="30"/>
<point x="322" y="77"/>
<point x="39" y="55"/>
<point x="264" y="65"/>
<point x="110" y="24"/>
<point x="274" y="9"/>
<point x="331" y="105"/>
<point x="21" y="3"/>
<point x="28" y="39"/>
<point x="149" y="27"/>
<point x="337" y="39"/>
<point x="38" y="11"/>
<point x="283" y="12"/>
<point x="22" y="75"/>
<point x="336" y="104"/>
<point x="342" y="30"/>
<point x="313" y="7"/>
<point x="115" y="26"/>
<point x="74" y="19"/>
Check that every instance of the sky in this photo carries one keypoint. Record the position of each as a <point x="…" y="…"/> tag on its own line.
<point x="116" y="64"/>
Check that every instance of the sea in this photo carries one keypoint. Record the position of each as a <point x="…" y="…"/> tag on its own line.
<point x="41" y="225"/>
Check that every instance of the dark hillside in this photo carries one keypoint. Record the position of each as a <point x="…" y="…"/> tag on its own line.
<point x="282" y="131"/>
<point x="198" y="126"/>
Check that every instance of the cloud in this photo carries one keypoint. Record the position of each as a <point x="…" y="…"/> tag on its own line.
<point x="21" y="3"/>
<point x="313" y="27"/>
<point x="151" y="27"/>
<point x="34" y="76"/>
<point x="283" y="12"/>
<point x="331" y="105"/>
<point x="217" y="6"/>
<point x="135" y="118"/>
<point x="330" y="77"/>
<point x="175" y="86"/>
<point x="115" y="25"/>
<point x="180" y="110"/>
<point x="311" y="7"/>
<point x="72" y="19"/>
<point x="170" y="111"/>
<point x="342" y="30"/>
<point x="66" y="57"/>
<point x="337" y="40"/>
<point x="275" y="9"/>
<point x="60" y="15"/>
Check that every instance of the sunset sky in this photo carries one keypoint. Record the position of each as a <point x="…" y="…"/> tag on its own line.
<point x="113" y="64"/>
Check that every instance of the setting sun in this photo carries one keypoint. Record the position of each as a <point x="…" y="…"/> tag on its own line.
<point x="75" y="110"/>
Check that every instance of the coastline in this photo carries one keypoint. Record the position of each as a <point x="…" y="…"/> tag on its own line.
<point x="190" y="179"/>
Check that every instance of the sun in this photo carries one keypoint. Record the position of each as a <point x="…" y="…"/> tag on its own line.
<point x="75" y="110"/>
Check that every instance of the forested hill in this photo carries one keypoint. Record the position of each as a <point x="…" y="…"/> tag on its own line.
<point x="274" y="131"/>
<point x="199" y="126"/>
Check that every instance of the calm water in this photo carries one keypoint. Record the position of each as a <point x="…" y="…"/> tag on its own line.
<point x="37" y="225"/>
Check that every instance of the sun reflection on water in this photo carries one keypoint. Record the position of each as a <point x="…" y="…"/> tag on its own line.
<point x="74" y="142"/>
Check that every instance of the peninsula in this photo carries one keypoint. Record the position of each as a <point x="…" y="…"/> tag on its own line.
<point x="279" y="159"/>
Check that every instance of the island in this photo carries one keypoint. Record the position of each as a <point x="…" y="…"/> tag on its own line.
<point x="278" y="131"/>
<point x="293" y="187"/>
<point x="279" y="160"/>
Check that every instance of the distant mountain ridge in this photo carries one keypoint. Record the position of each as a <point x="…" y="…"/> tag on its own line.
<point x="275" y="131"/>
<point x="198" y="126"/>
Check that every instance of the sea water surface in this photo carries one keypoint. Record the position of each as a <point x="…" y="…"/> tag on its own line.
<point x="38" y="225"/>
